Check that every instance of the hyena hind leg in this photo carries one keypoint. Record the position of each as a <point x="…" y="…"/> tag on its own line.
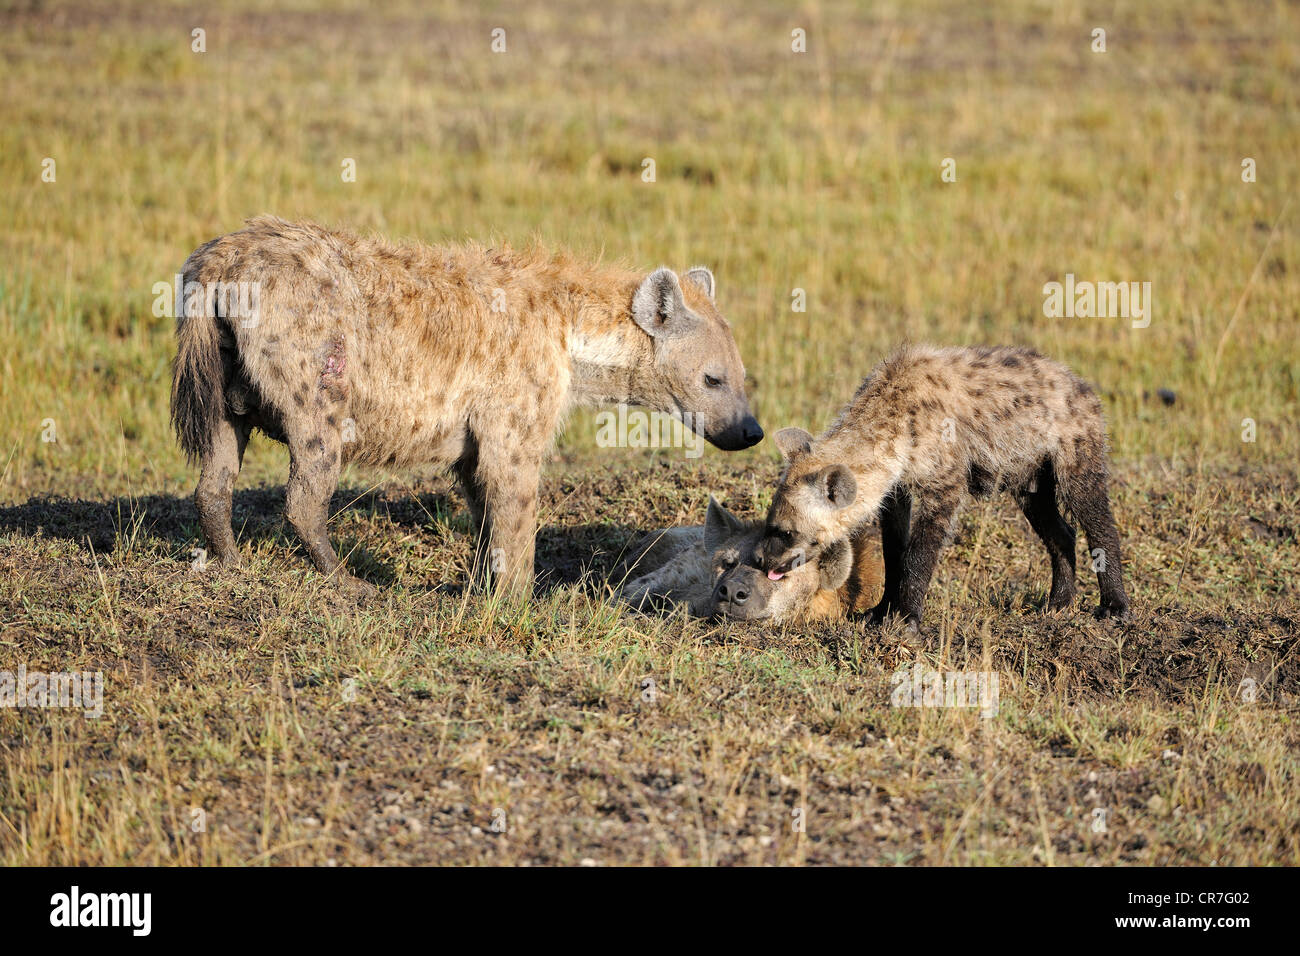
<point x="1039" y="505"/>
<point x="1086" y="498"/>
<point x="314" y="466"/>
<point x="219" y="469"/>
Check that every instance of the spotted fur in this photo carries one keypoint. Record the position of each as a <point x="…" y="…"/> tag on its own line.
<point x="926" y="431"/>
<point x="710" y="568"/>
<point x="455" y="355"/>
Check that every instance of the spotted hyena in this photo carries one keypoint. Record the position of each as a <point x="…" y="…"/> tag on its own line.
<point x="456" y="355"/>
<point x="710" y="568"/>
<point x="929" y="428"/>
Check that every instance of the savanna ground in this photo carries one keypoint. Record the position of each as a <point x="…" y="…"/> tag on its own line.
<point x="308" y="730"/>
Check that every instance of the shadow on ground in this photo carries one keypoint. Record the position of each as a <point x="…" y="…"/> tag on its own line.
<point x="566" y="554"/>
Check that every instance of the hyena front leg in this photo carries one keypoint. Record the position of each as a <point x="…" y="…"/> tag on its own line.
<point x="895" y="527"/>
<point x="1087" y="500"/>
<point x="1039" y="506"/>
<point x="220" y="468"/>
<point x="507" y="479"/>
<point x="930" y="532"/>
<point x="314" y="464"/>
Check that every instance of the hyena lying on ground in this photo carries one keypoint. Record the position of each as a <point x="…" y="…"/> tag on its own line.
<point x="456" y="355"/>
<point x="711" y="569"/>
<point x="929" y="428"/>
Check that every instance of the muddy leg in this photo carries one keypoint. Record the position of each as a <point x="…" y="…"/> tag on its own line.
<point x="216" y="484"/>
<point x="314" y="466"/>
<point x="1090" y="505"/>
<point x="1039" y="507"/>
<point x="933" y="526"/>
<point x="895" y="524"/>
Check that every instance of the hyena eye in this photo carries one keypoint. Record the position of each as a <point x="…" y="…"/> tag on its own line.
<point x="711" y="382"/>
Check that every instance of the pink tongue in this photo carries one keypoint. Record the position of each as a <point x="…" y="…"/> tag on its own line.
<point x="774" y="576"/>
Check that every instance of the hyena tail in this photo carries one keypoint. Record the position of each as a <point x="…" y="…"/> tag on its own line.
<point x="198" y="376"/>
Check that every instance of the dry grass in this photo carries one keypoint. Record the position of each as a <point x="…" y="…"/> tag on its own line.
<point x="309" y="731"/>
<point x="820" y="171"/>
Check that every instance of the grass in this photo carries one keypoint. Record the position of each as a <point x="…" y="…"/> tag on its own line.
<point x="307" y="730"/>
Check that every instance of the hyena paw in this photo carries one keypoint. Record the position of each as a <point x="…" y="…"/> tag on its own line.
<point x="877" y="615"/>
<point x="1059" y="605"/>
<point x="1118" y="613"/>
<point x="360" y="591"/>
<point x="202" y="561"/>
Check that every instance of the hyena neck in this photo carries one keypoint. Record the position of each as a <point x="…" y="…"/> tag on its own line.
<point x="609" y="353"/>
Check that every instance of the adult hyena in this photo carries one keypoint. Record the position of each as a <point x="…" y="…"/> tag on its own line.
<point x="935" y="426"/>
<point x="710" y="568"/>
<point x="457" y="355"/>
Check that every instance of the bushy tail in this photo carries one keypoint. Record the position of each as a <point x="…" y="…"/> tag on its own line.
<point x="198" y="379"/>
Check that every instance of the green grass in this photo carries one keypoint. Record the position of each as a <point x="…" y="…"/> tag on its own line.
<point x="817" y="171"/>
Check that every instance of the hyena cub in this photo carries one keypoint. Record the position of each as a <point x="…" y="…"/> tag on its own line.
<point x="454" y="355"/>
<point x="710" y="569"/>
<point x="929" y="428"/>
<point x="843" y="579"/>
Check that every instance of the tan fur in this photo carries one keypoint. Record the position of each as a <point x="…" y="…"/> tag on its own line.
<point x="936" y="425"/>
<point x="805" y="594"/>
<point x="457" y="355"/>
<point x="1009" y="409"/>
<point x="687" y="565"/>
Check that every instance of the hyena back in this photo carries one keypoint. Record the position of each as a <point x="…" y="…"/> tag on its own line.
<point x="711" y="569"/>
<point x="927" y="430"/>
<point x="458" y="355"/>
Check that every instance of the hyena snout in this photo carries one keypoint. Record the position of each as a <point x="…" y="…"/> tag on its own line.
<point x="744" y="432"/>
<point x="718" y="414"/>
<point x="740" y="594"/>
<point x="716" y="407"/>
<point x="781" y="552"/>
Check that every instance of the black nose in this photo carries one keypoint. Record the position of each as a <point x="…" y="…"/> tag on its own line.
<point x="737" y="435"/>
<point x="735" y="596"/>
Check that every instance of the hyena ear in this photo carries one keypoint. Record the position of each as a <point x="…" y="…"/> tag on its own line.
<point x="834" y="565"/>
<point x="719" y="523"/>
<point x="702" y="279"/>
<point x="658" y="307"/>
<point x="792" y="442"/>
<point x="838" y="485"/>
